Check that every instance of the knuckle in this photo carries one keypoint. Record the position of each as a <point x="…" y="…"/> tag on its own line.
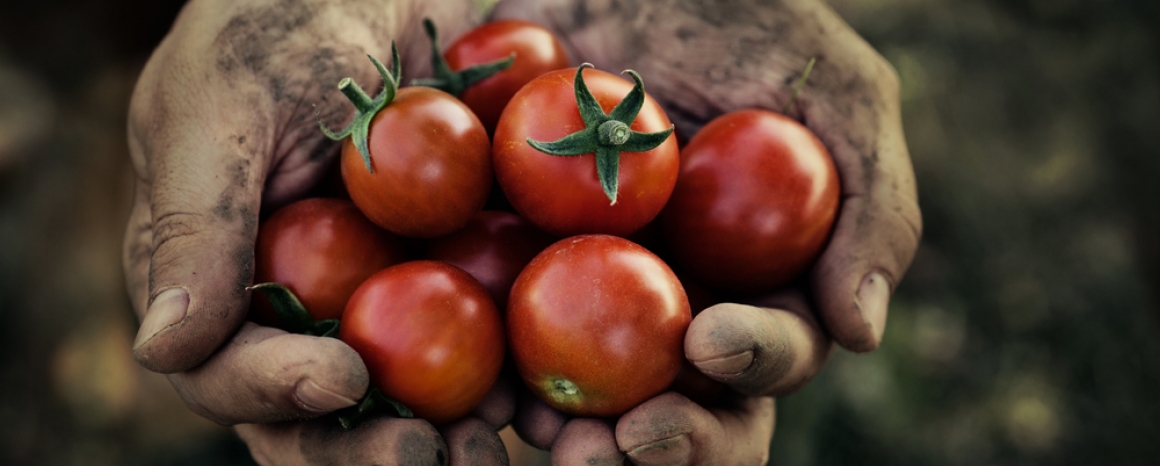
<point x="173" y="229"/>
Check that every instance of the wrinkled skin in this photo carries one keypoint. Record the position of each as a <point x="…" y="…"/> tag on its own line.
<point x="221" y="127"/>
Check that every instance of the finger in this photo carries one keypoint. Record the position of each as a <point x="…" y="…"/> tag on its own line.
<point x="536" y="422"/>
<point x="879" y="223"/>
<point x="267" y="375"/>
<point x="498" y="407"/>
<point x="385" y="441"/>
<point x="671" y="430"/>
<point x="471" y="441"/>
<point x="771" y="348"/>
<point x="587" y="442"/>
<point x="204" y="185"/>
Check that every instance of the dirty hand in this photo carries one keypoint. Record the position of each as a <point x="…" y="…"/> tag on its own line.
<point x="703" y="59"/>
<point x="222" y="126"/>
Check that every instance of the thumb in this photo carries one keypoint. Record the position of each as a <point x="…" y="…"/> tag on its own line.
<point x="189" y="250"/>
<point x="879" y="225"/>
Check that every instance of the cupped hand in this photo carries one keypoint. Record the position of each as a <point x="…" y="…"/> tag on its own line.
<point x="704" y="59"/>
<point x="222" y="126"/>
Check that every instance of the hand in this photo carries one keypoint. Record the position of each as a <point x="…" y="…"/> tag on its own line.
<point x="221" y="126"/>
<point x="700" y="61"/>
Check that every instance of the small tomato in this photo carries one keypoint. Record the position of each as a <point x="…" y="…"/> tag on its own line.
<point x="430" y="336"/>
<point x="596" y="325"/>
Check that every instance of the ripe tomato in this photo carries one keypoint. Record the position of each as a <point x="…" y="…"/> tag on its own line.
<point x="537" y="51"/>
<point x="431" y="161"/>
<point x="754" y="203"/>
<point x="430" y="336"/>
<point x="563" y="195"/>
<point x="321" y="249"/>
<point x="596" y="325"/>
<point x="494" y="247"/>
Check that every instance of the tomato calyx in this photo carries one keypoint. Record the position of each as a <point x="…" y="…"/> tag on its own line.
<point x="373" y="404"/>
<point x="365" y="107"/>
<point x="605" y="134"/>
<point x="455" y="82"/>
<point x="292" y="315"/>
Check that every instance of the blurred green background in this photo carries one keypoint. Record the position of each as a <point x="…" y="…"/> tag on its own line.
<point x="1024" y="333"/>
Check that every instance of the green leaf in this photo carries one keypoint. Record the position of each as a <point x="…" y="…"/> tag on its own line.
<point x="640" y="142"/>
<point x="607" y="169"/>
<point x="590" y="110"/>
<point x="291" y="314"/>
<point x="373" y="404"/>
<point x="455" y="82"/>
<point x="578" y="143"/>
<point x="626" y="111"/>
<point x="324" y="328"/>
<point x="477" y="73"/>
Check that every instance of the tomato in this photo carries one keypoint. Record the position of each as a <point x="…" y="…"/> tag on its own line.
<point x="432" y="165"/>
<point x="563" y="195"/>
<point x="430" y="336"/>
<point x="321" y="249"/>
<point x="596" y="325"/>
<point x="494" y="247"/>
<point x="537" y="51"/>
<point x="754" y="204"/>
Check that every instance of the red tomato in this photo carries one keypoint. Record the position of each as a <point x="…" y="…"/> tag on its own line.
<point x="596" y="325"/>
<point x="754" y="204"/>
<point x="562" y="195"/>
<point x="494" y="247"/>
<point x="430" y="336"/>
<point x="321" y="249"/>
<point x="537" y="51"/>
<point x="431" y="161"/>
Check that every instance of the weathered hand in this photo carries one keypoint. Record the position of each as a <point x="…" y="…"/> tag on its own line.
<point x="703" y="59"/>
<point x="221" y="126"/>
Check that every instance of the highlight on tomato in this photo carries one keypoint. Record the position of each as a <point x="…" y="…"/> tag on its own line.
<point x="415" y="160"/>
<point x="596" y="325"/>
<point x="754" y="204"/>
<point x="583" y="151"/>
<point x="430" y="336"/>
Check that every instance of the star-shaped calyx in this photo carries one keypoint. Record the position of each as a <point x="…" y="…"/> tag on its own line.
<point x="366" y="108"/>
<point x="606" y="135"/>
<point x="455" y="82"/>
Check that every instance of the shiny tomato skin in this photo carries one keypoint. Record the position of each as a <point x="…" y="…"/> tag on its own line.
<point x="596" y="325"/>
<point x="494" y="247"/>
<point x="562" y="195"/>
<point x="754" y="204"/>
<point x="537" y="51"/>
<point x="432" y="165"/>
<point x="321" y="249"/>
<point x="430" y="336"/>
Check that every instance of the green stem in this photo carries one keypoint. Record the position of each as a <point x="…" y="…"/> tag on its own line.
<point x="362" y="102"/>
<point x="801" y="83"/>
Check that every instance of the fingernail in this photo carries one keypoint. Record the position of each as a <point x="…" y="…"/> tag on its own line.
<point x="728" y="365"/>
<point x="168" y="309"/>
<point x="673" y="451"/>
<point x="320" y="400"/>
<point x="872" y="300"/>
